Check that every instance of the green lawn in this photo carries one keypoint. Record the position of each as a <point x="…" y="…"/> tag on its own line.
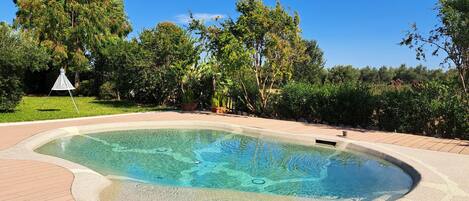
<point x="43" y="108"/>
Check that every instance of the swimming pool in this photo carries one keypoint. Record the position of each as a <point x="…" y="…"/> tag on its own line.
<point x="224" y="160"/>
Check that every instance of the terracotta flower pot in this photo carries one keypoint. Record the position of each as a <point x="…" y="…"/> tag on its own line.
<point x="189" y="106"/>
<point x="219" y="110"/>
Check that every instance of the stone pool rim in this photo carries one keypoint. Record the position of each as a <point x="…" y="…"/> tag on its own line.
<point x="88" y="184"/>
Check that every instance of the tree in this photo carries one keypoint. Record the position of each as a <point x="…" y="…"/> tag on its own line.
<point x="386" y="74"/>
<point x="451" y="37"/>
<point x="15" y="47"/>
<point x="259" y="48"/>
<point x="173" y="53"/>
<point x="369" y="75"/>
<point x="343" y="74"/>
<point x="72" y="29"/>
<point x="310" y="69"/>
<point x="169" y="44"/>
<point x="124" y="61"/>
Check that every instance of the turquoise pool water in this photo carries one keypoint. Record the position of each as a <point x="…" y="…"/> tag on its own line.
<point x="223" y="160"/>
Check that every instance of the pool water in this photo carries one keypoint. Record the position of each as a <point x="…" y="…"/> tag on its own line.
<point x="224" y="160"/>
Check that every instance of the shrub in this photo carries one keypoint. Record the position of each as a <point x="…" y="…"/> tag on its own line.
<point x="294" y="102"/>
<point x="347" y="104"/>
<point x="17" y="53"/>
<point x="86" y="88"/>
<point x="430" y="109"/>
<point x="108" y="91"/>
<point x="454" y="117"/>
<point x="350" y="104"/>
<point x="10" y="91"/>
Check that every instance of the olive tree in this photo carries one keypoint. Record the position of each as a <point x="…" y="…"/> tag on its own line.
<point x="450" y="37"/>
<point x="258" y="49"/>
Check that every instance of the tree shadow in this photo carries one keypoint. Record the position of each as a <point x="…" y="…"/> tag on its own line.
<point x="127" y="104"/>
<point x="115" y="103"/>
<point x="48" y="110"/>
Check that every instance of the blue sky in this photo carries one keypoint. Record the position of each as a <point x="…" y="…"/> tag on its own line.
<point x="356" y="32"/>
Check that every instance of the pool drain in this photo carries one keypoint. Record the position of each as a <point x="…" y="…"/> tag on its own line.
<point x="258" y="181"/>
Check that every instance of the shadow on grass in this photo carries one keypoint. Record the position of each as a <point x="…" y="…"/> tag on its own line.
<point x="129" y="104"/>
<point x="48" y="110"/>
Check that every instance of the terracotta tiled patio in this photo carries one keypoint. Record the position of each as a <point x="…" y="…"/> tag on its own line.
<point x="30" y="180"/>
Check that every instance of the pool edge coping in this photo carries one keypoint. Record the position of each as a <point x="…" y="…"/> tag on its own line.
<point x="88" y="183"/>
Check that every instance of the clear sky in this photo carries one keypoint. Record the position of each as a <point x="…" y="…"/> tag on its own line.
<point x="356" y="32"/>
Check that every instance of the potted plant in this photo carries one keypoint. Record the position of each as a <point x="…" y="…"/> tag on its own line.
<point x="219" y="103"/>
<point x="189" y="102"/>
<point x="189" y="82"/>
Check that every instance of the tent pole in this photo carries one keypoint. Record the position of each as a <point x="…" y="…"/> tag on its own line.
<point x="73" y="100"/>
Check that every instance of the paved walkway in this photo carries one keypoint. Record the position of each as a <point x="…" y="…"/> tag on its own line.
<point x="29" y="180"/>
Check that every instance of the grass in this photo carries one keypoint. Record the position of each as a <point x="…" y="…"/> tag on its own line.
<point x="44" y="108"/>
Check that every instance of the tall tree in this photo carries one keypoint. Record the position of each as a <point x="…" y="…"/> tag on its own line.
<point x="451" y="37"/>
<point x="169" y="44"/>
<point x="260" y="47"/>
<point x="172" y="53"/>
<point x="72" y="29"/>
<point x="310" y="69"/>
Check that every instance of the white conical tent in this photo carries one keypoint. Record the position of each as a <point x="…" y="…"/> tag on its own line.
<point x="63" y="84"/>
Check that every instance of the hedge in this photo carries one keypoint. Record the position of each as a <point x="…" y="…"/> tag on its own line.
<point x="428" y="109"/>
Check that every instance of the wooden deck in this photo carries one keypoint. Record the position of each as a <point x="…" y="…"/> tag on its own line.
<point x="29" y="180"/>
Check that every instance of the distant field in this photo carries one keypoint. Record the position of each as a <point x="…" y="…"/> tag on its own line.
<point x="43" y="108"/>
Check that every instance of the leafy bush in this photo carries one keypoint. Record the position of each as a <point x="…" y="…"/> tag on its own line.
<point x="154" y="85"/>
<point x="86" y="88"/>
<point x="350" y="104"/>
<point x="108" y="91"/>
<point x="430" y="109"/>
<point x="340" y="104"/>
<point x="17" y="53"/>
<point x="10" y="91"/>
<point x="295" y="102"/>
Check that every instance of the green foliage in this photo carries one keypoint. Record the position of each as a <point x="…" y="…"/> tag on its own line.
<point x="343" y="74"/>
<point x="346" y="104"/>
<point x="351" y="104"/>
<point x="188" y="97"/>
<point x="221" y="100"/>
<point x="15" y="47"/>
<point x="430" y="108"/>
<point x="123" y="63"/>
<point x="262" y="44"/>
<point x="169" y="44"/>
<point x="295" y="102"/>
<point x="449" y="39"/>
<point x="72" y="29"/>
<point x="157" y="68"/>
<point x="173" y="56"/>
<point x="108" y="91"/>
<point x="311" y="69"/>
<point x="403" y="74"/>
<point x="195" y="83"/>
<point x="86" y="88"/>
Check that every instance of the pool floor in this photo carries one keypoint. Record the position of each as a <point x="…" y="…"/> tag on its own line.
<point x="212" y="159"/>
